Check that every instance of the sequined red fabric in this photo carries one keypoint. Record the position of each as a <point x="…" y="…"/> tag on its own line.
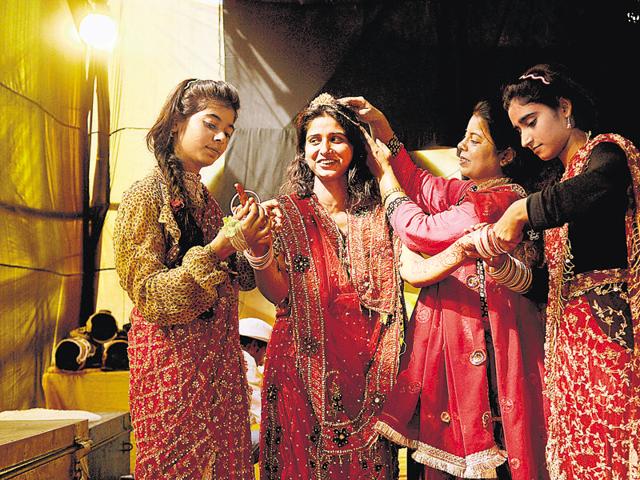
<point x="333" y="353"/>
<point x="592" y="370"/>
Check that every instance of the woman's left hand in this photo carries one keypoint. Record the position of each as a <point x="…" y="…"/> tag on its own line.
<point x="467" y="245"/>
<point x="378" y="156"/>
<point x="274" y="212"/>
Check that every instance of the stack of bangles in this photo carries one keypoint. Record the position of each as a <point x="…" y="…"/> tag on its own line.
<point x="486" y="243"/>
<point x="392" y="198"/>
<point x="260" y="263"/>
<point x="513" y="274"/>
<point x="232" y="230"/>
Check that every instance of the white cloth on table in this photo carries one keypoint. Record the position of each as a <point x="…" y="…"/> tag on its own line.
<point x="48" y="414"/>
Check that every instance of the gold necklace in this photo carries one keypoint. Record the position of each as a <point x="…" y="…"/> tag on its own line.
<point x="492" y="182"/>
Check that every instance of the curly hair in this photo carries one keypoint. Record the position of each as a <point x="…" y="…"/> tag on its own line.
<point x="361" y="185"/>
<point x="188" y="97"/>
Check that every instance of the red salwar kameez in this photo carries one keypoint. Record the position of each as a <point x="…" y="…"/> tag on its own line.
<point x="188" y="394"/>
<point x="333" y="353"/>
<point x="469" y="393"/>
<point x="593" y="349"/>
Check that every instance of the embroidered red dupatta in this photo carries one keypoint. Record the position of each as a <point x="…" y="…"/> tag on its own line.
<point x="333" y="353"/>
<point x="592" y="381"/>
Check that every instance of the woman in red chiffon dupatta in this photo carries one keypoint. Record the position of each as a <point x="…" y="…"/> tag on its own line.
<point x="333" y="354"/>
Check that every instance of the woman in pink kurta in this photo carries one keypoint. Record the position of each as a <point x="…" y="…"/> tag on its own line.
<point x="468" y="398"/>
<point x="188" y="393"/>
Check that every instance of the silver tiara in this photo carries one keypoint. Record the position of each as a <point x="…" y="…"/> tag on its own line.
<point x="323" y="99"/>
<point x="326" y="99"/>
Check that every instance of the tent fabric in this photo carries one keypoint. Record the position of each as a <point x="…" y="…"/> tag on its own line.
<point x="43" y="105"/>
<point x="44" y="198"/>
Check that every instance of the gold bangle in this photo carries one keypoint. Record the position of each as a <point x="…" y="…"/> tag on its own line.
<point x="386" y="194"/>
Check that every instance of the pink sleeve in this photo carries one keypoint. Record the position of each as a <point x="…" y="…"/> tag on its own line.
<point x="432" y="194"/>
<point x="431" y="234"/>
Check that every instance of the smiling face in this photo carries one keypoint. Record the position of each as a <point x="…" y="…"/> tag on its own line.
<point x="204" y="136"/>
<point x="478" y="157"/>
<point x="542" y="129"/>
<point x="327" y="150"/>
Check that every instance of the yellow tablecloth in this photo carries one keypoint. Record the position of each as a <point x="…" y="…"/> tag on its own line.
<point x="90" y="389"/>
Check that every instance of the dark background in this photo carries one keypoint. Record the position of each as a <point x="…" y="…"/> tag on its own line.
<point x="424" y="63"/>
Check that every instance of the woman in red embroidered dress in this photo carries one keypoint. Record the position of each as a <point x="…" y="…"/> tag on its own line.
<point x="333" y="353"/>
<point x="468" y="397"/>
<point x="593" y="251"/>
<point x="188" y="393"/>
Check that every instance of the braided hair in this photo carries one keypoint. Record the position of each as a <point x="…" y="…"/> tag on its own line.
<point x="189" y="96"/>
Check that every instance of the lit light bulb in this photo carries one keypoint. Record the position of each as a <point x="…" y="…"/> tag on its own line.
<point x="98" y="31"/>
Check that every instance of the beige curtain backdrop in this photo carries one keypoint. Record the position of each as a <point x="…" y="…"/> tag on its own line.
<point x="43" y="106"/>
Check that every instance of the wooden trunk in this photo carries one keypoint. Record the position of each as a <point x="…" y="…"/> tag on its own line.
<point x="66" y="449"/>
<point x="110" y="446"/>
<point x="43" y="450"/>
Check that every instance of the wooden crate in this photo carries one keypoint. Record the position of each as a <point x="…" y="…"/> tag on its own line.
<point x="110" y="446"/>
<point x="43" y="450"/>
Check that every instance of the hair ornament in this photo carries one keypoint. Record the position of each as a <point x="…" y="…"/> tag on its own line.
<point x="323" y="99"/>
<point x="189" y="83"/>
<point x="328" y="100"/>
<point x="533" y="76"/>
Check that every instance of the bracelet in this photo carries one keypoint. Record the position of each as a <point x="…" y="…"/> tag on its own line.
<point x="262" y="262"/>
<point x="394" y="145"/>
<point x="513" y="274"/>
<point x="386" y="194"/>
<point x="395" y="203"/>
<point x="486" y="244"/>
<point x="232" y="230"/>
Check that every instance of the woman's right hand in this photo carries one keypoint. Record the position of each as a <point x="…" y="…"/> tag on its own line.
<point x="508" y="230"/>
<point x="368" y="113"/>
<point x="363" y="109"/>
<point x="256" y="227"/>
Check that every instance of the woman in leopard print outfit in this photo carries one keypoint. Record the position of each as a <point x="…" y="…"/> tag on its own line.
<point x="188" y="395"/>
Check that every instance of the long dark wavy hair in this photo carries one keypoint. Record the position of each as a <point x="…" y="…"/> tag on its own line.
<point x="188" y="97"/>
<point x="361" y="185"/>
